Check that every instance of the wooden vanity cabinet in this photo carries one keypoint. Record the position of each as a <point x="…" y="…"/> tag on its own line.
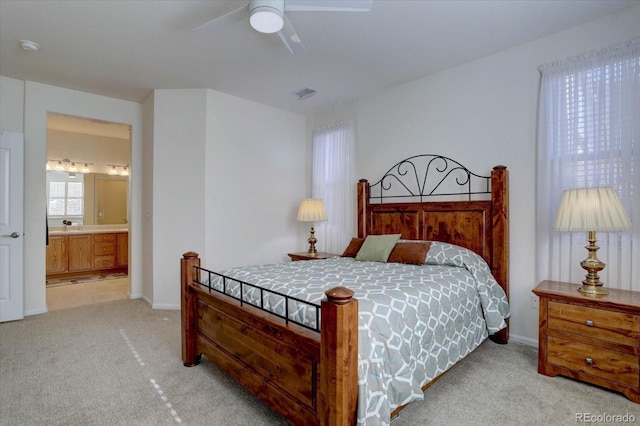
<point x="57" y="254"/>
<point x="80" y="254"/>
<point x="104" y="251"/>
<point x="122" y="250"/>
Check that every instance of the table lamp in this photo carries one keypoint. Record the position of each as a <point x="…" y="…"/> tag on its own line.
<point x="591" y="210"/>
<point x="312" y="210"/>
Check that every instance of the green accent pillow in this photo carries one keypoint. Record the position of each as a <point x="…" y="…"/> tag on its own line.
<point x="376" y="248"/>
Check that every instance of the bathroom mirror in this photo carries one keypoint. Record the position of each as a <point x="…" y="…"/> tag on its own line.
<point x="96" y="153"/>
<point x="101" y="198"/>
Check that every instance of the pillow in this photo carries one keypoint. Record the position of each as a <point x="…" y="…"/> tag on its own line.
<point x="353" y="247"/>
<point x="414" y="252"/>
<point x="376" y="248"/>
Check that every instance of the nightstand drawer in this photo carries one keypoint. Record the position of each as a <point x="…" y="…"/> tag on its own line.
<point x="603" y="363"/>
<point x="612" y="326"/>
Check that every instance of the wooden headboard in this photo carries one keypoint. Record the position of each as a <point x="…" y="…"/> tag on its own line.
<point x="407" y="201"/>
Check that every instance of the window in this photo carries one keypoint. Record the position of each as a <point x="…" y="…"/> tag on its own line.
<point x="65" y="194"/>
<point x="588" y="136"/>
<point x="333" y="181"/>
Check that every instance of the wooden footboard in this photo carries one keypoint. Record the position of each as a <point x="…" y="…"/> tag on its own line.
<point x="308" y="378"/>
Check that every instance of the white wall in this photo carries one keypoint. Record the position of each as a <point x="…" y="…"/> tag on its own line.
<point x="179" y="135"/>
<point x="11" y="105"/>
<point x="228" y="175"/>
<point x="255" y="178"/>
<point x="481" y="113"/>
<point x="146" y="198"/>
<point x="36" y="100"/>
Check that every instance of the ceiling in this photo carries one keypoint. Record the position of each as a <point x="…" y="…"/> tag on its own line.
<point x="86" y="126"/>
<point x="125" y="49"/>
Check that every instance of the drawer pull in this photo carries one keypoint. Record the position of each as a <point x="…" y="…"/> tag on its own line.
<point x="588" y="323"/>
<point x="588" y="361"/>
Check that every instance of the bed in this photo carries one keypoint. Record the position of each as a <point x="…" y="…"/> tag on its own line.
<point x="318" y="345"/>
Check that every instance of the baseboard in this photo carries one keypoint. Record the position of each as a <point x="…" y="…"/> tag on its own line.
<point x="523" y="340"/>
<point x="168" y="307"/>
<point x="36" y="311"/>
<point x="159" y="305"/>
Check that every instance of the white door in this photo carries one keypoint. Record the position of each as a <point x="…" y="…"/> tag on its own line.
<point x="11" y="226"/>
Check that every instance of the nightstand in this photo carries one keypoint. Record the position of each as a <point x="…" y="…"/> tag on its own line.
<point x="595" y="339"/>
<point x="307" y="256"/>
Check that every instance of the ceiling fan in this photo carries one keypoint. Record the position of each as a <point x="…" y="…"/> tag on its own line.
<point x="268" y="16"/>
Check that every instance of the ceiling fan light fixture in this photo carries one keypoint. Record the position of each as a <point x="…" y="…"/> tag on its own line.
<point x="29" y="46"/>
<point x="267" y="16"/>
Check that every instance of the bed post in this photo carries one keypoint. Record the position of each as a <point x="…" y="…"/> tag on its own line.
<point x="189" y="309"/>
<point x="338" y="358"/>
<point x="500" y="235"/>
<point x="363" y="200"/>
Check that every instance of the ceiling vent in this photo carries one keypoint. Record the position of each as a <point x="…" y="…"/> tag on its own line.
<point x="304" y="93"/>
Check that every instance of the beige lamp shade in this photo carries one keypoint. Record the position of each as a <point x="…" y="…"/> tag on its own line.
<point x="312" y="210"/>
<point x="591" y="209"/>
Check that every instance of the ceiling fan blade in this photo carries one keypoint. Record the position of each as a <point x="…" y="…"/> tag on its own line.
<point x="328" y="5"/>
<point x="290" y="38"/>
<point x="228" y="18"/>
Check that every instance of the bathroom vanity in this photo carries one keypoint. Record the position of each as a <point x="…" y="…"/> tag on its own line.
<point x="87" y="250"/>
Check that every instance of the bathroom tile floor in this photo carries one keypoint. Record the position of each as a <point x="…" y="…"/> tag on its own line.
<point x="87" y="293"/>
<point x="84" y="279"/>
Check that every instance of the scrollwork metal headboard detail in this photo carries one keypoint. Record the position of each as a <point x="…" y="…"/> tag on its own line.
<point x="429" y="175"/>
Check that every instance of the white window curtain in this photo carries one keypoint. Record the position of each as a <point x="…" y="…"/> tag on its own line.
<point x="589" y="136"/>
<point x="334" y="182"/>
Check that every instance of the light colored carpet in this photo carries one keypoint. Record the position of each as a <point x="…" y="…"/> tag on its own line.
<point x="118" y="363"/>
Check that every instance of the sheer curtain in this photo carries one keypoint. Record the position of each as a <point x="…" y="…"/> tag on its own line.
<point x="588" y="136"/>
<point x="334" y="182"/>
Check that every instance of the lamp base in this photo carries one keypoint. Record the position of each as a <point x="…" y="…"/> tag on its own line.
<point x="592" y="285"/>
<point x="312" y="243"/>
<point x="593" y="290"/>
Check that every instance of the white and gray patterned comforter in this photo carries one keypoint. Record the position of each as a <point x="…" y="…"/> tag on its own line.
<point x="415" y="321"/>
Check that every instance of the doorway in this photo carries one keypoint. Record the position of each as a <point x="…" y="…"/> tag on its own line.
<point x="88" y="199"/>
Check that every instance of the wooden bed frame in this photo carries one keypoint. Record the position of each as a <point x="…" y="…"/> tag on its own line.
<point x="310" y="377"/>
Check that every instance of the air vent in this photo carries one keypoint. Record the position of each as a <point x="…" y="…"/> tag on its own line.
<point x="304" y="93"/>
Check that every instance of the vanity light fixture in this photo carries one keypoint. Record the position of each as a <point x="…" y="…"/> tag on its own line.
<point x="115" y="170"/>
<point x="66" y="165"/>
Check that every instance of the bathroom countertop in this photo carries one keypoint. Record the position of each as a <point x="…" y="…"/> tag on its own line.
<point x="87" y="229"/>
